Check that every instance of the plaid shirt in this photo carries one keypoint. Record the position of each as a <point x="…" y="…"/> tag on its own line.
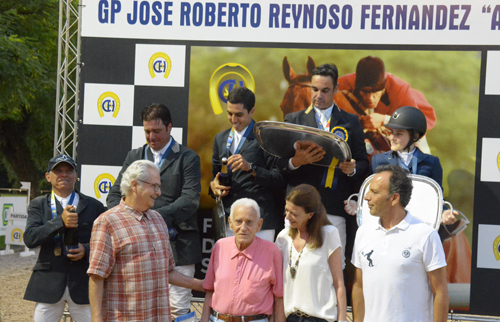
<point x="131" y="250"/>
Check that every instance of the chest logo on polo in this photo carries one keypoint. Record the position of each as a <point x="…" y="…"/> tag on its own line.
<point x="406" y="253"/>
<point x="368" y="258"/>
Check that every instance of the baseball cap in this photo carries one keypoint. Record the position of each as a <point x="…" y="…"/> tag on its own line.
<point x="60" y="158"/>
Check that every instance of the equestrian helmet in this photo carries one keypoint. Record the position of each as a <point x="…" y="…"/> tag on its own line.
<point x="408" y="118"/>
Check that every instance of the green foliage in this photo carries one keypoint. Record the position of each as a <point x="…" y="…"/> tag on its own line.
<point x="28" y="69"/>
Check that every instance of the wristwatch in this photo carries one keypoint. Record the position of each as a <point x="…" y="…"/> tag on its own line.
<point x="252" y="170"/>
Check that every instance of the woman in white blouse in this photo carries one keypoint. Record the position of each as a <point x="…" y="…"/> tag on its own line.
<point x="314" y="289"/>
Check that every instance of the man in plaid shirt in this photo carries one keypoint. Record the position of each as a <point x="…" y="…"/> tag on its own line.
<point x="131" y="262"/>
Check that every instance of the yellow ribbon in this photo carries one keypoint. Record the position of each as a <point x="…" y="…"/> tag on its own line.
<point x="331" y="173"/>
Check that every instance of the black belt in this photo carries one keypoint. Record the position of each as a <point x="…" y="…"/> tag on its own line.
<point x="302" y="317"/>
<point x="237" y="318"/>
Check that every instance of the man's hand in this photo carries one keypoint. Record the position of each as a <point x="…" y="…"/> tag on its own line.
<point x="198" y="285"/>
<point x="77" y="253"/>
<point x="372" y="121"/>
<point x="348" y="167"/>
<point x="70" y="219"/>
<point x="237" y="162"/>
<point x="307" y="154"/>
<point x="218" y="189"/>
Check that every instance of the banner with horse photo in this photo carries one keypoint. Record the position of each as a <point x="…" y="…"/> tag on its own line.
<point x="281" y="79"/>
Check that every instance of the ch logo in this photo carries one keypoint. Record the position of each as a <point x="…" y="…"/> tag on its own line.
<point x="496" y="248"/>
<point x="108" y="102"/>
<point x="159" y="63"/>
<point x="16" y="235"/>
<point x="224" y="79"/>
<point x="102" y="184"/>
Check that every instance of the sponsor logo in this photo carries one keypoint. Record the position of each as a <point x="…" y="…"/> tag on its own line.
<point x="498" y="161"/>
<point x="159" y="63"/>
<point x="108" y="102"/>
<point x="102" y="184"/>
<point x="224" y="79"/>
<point x="496" y="249"/>
<point x="5" y="210"/>
<point x="16" y="235"/>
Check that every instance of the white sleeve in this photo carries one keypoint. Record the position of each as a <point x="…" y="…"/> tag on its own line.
<point x="332" y="239"/>
<point x="433" y="253"/>
<point x="281" y="241"/>
<point x="355" y="251"/>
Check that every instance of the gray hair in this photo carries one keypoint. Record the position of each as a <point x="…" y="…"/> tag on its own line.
<point x="245" y="202"/>
<point x="139" y="171"/>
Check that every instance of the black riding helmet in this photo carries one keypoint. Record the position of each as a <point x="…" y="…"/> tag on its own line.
<point x="409" y="118"/>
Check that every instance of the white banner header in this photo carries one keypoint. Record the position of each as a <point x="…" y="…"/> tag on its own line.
<point x="446" y="22"/>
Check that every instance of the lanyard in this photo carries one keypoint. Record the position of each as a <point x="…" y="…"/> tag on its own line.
<point x="320" y="124"/>
<point x="53" y="208"/>
<point x="164" y="155"/>
<point x="243" y="138"/>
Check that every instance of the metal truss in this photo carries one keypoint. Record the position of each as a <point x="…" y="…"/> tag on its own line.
<point x="68" y="78"/>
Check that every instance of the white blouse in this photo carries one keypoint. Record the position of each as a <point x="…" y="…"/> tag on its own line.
<point x="312" y="290"/>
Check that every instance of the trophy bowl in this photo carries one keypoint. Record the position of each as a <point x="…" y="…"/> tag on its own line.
<point x="279" y="138"/>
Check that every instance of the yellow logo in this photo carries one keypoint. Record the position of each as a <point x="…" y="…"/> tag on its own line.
<point x="103" y="183"/>
<point x="224" y="79"/>
<point x="108" y="102"/>
<point x="496" y="251"/>
<point x="16" y="235"/>
<point x="159" y="63"/>
<point x="498" y="161"/>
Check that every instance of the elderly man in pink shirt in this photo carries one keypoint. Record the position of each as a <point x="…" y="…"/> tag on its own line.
<point x="244" y="280"/>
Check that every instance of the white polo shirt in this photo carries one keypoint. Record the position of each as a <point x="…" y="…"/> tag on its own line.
<point x="395" y="263"/>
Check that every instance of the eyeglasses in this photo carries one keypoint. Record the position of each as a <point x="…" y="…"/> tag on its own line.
<point x="157" y="187"/>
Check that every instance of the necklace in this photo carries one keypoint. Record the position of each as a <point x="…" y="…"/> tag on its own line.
<point x="293" y="270"/>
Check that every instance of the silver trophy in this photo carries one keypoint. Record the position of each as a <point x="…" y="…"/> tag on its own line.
<point x="279" y="138"/>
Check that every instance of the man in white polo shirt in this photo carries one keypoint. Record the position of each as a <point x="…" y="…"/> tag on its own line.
<point x="400" y="262"/>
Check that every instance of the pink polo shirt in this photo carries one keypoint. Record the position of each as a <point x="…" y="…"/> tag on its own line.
<point x="244" y="282"/>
